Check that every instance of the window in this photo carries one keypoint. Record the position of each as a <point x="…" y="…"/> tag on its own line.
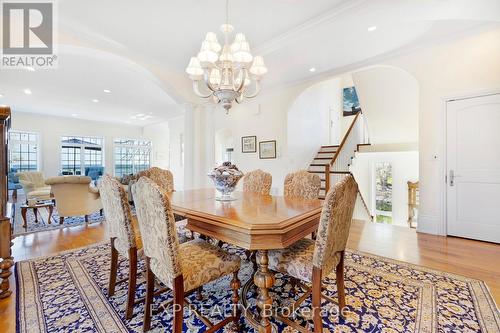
<point x="78" y="152"/>
<point x="383" y="192"/>
<point x="23" y="151"/>
<point x="131" y="156"/>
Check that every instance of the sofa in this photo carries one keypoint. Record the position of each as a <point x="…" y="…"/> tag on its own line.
<point x="75" y="196"/>
<point x="13" y="182"/>
<point x="34" y="185"/>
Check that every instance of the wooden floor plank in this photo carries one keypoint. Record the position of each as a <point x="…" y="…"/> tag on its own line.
<point x="470" y="258"/>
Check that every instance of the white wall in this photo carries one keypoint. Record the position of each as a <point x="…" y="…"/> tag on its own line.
<point x="389" y="98"/>
<point x="176" y="165"/>
<point x="469" y="65"/>
<point x="404" y="169"/>
<point x="159" y="134"/>
<point x="50" y="130"/>
<point x="308" y="121"/>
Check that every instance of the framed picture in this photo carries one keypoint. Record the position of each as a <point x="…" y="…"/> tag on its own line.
<point x="267" y="149"/>
<point x="351" y="102"/>
<point x="248" y="144"/>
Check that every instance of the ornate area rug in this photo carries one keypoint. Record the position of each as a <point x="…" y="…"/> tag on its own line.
<point x="68" y="293"/>
<point x="43" y="221"/>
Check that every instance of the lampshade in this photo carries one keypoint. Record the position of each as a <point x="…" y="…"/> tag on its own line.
<point x="211" y="37"/>
<point x="194" y="68"/>
<point x="215" y="76"/>
<point x="238" y="39"/>
<point x="241" y="52"/>
<point x="226" y="54"/>
<point x="258" y="67"/>
<point x="207" y="53"/>
<point x="237" y="81"/>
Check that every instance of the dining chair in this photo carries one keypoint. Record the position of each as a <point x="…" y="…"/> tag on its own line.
<point x="257" y="181"/>
<point x="181" y="267"/>
<point x="310" y="261"/>
<point x="302" y="184"/>
<point x="123" y="230"/>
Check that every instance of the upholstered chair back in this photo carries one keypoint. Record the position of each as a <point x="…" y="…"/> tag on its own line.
<point x="158" y="230"/>
<point x="302" y="184"/>
<point x="334" y="224"/>
<point x="257" y="181"/>
<point x="118" y="214"/>
<point x="74" y="195"/>
<point x="31" y="180"/>
<point x="162" y="177"/>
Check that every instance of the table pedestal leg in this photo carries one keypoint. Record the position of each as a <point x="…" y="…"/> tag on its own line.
<point x="35" y="211"/>
<point x="264" y="279"/>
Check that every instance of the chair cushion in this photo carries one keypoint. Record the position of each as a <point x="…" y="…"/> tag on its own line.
<point x="202" y="263"/>
<point x="296" y="260"/>
<point x="40" y="192"/>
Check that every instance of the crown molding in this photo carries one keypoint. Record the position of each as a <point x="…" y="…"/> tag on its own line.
<point x="281" y="40"/>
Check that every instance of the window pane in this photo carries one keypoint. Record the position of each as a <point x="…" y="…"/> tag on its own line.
<point x="23" y="151"/>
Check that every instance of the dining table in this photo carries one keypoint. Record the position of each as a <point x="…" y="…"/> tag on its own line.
<point x="253" y="222"/>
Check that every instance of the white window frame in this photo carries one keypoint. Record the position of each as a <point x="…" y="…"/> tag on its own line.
<point x="82" y="150"/>
<point x="12" y="142"/>
<point x="125" y="145"/>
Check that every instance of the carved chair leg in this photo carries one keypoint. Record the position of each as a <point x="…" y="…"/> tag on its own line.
<point x="340" y="283"/>
<point x="61" y="219"/>
<point x="150" y="285"/>
<point x="132" y="281"/>
<point x="316" y="300"/>
<point x="199" y="295"/>
<point x="235" y="285"/>
<point x="101" y="212"/>
<point x="113" y="270"/>
<point x="293" y="288"/>
<point x="178" y="304"/>
<point x="86" y="219"/>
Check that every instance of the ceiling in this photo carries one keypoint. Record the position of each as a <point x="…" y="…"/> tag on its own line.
<point x="139" y="50"/>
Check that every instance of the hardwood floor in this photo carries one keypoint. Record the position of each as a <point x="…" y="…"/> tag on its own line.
<point x="470" y="258"/>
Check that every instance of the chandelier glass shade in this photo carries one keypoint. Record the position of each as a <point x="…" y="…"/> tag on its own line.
<point x="227" y="72"/>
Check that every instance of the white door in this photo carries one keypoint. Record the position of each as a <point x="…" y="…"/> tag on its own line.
<point x="473" y="163"/>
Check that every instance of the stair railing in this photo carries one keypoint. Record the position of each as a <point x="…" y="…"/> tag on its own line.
<point x="356" y="135"/>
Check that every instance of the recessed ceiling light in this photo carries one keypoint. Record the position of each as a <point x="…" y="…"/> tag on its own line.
<point x="312" y="69"/>
<point x="107" y="91"/>
<point x="1" y="95"/>
<point x="27" y="91"/>
<point x="95" y="100"/>
<point x="372" y="28"/>
<point x="74" y="115"/>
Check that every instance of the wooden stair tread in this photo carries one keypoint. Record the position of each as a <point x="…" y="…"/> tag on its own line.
<point x="330" y="146"/>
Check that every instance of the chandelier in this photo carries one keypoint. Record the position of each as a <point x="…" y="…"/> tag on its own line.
<point x="228" y="73"/>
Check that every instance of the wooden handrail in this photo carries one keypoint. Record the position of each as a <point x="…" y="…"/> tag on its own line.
<point x="344" y="139"/>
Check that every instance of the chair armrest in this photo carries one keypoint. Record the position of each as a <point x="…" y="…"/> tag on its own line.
<point x="93" y="189"/>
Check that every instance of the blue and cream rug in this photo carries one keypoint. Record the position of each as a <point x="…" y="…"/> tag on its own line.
<point x="68" y="293"/>
<point x="43" y="221"/>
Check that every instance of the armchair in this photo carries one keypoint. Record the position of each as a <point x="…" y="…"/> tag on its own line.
<point x="34" y="185"/>
<point x="74" y="196"/>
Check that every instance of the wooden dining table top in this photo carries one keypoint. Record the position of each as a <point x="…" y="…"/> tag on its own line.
<point x="252" y="221"/>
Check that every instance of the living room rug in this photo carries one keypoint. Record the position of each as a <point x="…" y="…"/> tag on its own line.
<point x="43" y="221"/>
<point x="68" y="293"/>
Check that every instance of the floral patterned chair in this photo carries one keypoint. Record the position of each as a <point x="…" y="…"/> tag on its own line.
<point x="181" y="267"/>
<point x="302" y="184"/>
<point x="310" y="261"/>
<point x="123" y="230"/>
<point x="257" y="181"/>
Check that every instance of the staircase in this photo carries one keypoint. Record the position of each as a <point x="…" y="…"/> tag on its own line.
<point x="332" y="162"/>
